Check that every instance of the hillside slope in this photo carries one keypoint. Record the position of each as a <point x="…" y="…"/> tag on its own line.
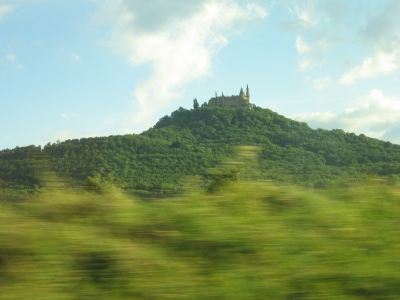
<point x="190" y="142"/>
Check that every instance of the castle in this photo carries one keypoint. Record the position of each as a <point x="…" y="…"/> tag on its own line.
<point x="240" y="101"/>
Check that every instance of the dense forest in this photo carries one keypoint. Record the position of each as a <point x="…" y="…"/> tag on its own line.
<point x="189" y="144"/>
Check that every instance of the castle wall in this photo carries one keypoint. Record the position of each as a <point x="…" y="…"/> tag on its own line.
<point x="240" y="101"/>
<point x="233" y="101"/>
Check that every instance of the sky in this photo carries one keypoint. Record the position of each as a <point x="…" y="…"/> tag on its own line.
<point x="74" y="69"/>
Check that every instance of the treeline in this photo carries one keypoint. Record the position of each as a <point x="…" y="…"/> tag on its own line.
<point x="190" y="142"/>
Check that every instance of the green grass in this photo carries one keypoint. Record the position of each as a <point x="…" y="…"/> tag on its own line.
<point x="250" y="241"/>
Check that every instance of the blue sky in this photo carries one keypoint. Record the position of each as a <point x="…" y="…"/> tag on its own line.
<point x="72" y="69"/>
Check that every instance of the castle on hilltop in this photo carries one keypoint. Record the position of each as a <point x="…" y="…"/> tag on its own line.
<point x="237" y="101"/>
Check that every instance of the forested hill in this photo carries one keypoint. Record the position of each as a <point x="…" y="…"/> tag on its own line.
<point x="190" y="142"/>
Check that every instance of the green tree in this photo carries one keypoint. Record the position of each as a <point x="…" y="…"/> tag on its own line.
<point x="195" y="104"/>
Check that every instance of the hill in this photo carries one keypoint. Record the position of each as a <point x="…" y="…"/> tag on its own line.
<point x="190" y="142"/>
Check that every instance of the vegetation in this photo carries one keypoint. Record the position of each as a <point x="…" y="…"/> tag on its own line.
<point x="191" y="142"/>
<point x="233" y="232"/>
<point x="246" y="241"/>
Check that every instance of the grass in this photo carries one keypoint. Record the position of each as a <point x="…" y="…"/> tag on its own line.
<point x="250" y="241"/>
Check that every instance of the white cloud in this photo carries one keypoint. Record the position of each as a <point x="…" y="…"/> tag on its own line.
<point x="311" y="55"/>
<point x="317" y="117"/>
<point x="10" y="57"/>
<point x="317" y="26"/>
<point x="4" y="9"/>
<point x="322" y="25"/>
<point x="177" y="38"/>
<point x="382" y="34"/>
<point x="321" y="83"/>
<point x="301" y="46"/>
<point x="380" y="64"/>
<point x="375" y="115"/>
<point x="308" y="13"/>
<point x="305" y="15"/>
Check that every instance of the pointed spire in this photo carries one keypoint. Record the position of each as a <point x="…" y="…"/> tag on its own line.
<point x="247" y="92"/>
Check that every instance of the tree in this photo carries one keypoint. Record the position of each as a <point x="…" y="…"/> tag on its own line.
<point x="195" y="104"/>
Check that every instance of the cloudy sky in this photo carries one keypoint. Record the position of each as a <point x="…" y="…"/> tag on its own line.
<point x="71" y="69"/>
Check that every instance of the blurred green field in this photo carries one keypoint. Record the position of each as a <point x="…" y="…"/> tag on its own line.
<point x="249" y="241"/>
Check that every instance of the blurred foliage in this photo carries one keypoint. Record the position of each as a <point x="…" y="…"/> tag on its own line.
<point x="249" y="241"/>
<point x="191" y="142"/>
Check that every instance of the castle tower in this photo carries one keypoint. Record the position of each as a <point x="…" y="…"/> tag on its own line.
<point x="241" y="94"/>
<point x="248" y="92"/>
